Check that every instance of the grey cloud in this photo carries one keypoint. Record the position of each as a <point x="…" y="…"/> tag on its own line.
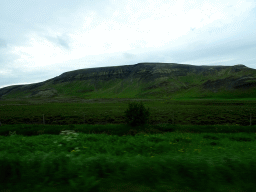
<point x="128" y="55"/>
<point x="59" y="41"/>
<point x="3" y="43"/>
<point x="63" y="43"/>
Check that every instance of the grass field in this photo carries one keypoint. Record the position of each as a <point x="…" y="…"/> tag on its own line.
<point x="111" y="111"/>
<point x="188" y="145"/>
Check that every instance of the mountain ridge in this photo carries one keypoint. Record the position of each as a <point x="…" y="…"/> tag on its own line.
<point x="143" y="80"/>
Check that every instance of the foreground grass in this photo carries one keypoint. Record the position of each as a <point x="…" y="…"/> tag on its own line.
<point x="180" y="161"/>
<point x="188" y="158"/>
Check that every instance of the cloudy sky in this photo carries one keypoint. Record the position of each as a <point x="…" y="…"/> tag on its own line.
<point x="41" y="39"/>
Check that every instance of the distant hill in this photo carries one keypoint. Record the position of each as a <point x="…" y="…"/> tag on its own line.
<point x="143" y="80"/>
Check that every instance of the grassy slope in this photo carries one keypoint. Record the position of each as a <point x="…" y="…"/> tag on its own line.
<point x="174" y="87"/>
<point x="189" y="97"/>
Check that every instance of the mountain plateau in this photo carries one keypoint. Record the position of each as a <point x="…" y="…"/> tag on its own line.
<point x="143" y="80"/>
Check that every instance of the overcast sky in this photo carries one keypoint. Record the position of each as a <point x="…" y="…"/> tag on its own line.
<point x="41" y="39"/>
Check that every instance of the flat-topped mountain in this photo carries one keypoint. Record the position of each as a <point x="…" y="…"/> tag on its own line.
<point x="143" y="80"/>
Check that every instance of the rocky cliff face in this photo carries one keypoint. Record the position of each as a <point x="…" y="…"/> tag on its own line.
<point x="140" y="80"/>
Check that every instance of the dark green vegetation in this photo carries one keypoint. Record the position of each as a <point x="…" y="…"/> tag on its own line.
<point x="200" y="135"/>
<point x="193" y="154"/>
<point x="111" y="111"/>
<point x="144" y="80"/>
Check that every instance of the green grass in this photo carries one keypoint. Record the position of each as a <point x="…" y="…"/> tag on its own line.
<point x="193" y="161"/>
<point x="192" y="85"/>
<point x="190" y="155"/>
<point x="103" y="111"/>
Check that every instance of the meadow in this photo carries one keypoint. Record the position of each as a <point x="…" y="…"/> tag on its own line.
<point x="187" y="145"/>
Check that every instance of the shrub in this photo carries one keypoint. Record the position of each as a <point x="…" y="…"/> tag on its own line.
<point x="136" y="114"/>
